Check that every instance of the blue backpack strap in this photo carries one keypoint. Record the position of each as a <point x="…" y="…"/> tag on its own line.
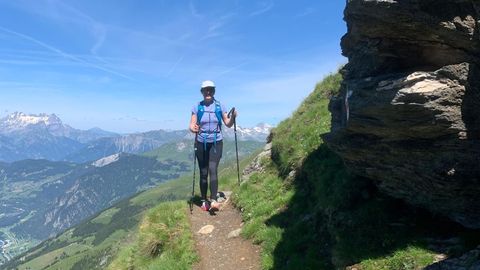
<point x="200" y="112"/>
<point x="218" y="113"/>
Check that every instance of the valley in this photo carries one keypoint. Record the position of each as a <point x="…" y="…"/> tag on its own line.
<point x="56" y="185"/>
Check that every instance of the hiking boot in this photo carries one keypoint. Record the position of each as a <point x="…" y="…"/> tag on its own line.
<point x="205" y="206"/>
<point x="221" y="197"/>
<point x="214" y="205"/>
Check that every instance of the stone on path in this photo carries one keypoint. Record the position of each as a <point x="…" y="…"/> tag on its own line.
<point x="208" y="229"/>
<point x="214" y="247"/>
<point x="235" y="233"/>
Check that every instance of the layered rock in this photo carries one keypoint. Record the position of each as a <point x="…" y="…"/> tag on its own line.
<point x="408" y="113"/>
<point x="469" y="260"/>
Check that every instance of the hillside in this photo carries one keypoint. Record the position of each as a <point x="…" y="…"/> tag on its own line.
<point x="92" y="244"/>
<point x="95" y="241"/>
<point x="41" y="198"/>
<point x="300" y="204"/>
<point x="308" y="211"/>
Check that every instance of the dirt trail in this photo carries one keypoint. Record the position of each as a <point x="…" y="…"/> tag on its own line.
<point x="217" y="249"/>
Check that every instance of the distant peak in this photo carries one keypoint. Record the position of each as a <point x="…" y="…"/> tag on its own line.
<point x="95" y="129"/>
<point x="22" y="119"/>
<point x="264" y="125"/>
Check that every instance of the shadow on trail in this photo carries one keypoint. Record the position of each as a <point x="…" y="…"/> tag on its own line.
<point x="336" y="219"/>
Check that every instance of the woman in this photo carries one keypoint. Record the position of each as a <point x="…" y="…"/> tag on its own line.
<point x="206" y="123"/>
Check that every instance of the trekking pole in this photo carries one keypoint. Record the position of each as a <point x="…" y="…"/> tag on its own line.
<point x="236" y="144"/>
<point x="194" y="169"/>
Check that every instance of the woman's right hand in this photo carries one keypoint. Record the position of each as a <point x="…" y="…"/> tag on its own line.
<point x="194" y="128"/>
<point x="193" y="124"/>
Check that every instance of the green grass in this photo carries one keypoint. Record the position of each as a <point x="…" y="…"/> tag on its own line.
<point x="307" y="211"/>
<point x="50" y="258"/>
<point x="272" y="216"/>
<point x="164" y="241"/>
<point x="411" y="258"/>
<point x="261" y="197"/>
<point x="299" y="135"/>
<point x="106" y="216"/>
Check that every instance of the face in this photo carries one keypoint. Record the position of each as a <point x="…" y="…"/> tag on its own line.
<point x="208" y="93"/>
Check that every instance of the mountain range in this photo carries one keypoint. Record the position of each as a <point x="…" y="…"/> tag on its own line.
<point x="43" y="136"/>
<point x="40" y="198"/>
<point x="53" y="176"/>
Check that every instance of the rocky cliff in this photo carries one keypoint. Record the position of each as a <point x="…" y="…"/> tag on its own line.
<point x="408" y="113"/>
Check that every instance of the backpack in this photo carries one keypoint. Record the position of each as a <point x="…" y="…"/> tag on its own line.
<point x="218" y="113"/>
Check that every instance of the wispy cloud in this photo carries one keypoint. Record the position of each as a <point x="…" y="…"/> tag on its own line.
<point x="265" y="7"/>
<point x="228" y="70"/>
<point x="175" y="66"/>
<point x="305" y="13"/>
<point x="101" y="35"/>
<point x="61" y="53"/>
<point x="215" y="26"/>
<point x="97" y="29"/>
<point x="194" y="11"/>
<point x="65" y="14"/>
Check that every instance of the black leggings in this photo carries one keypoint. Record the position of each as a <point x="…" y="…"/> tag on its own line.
<point x="208" y="158"/>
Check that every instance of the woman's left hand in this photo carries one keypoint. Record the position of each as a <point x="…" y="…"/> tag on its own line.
<point x="232" y="113"/>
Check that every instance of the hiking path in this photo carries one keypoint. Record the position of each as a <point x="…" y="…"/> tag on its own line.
<point x="218" y="242"/>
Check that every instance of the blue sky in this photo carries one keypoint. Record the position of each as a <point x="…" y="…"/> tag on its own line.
<point x="131" y="65"/>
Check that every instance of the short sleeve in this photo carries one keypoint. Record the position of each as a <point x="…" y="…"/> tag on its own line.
<point x="195" y="109"/>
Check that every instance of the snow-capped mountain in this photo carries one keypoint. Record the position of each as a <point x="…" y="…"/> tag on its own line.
<point x="21" y="123"/>
<point x="42" y="136"/>
<point x="258" y="133"/>
<point x="45" y="136"/>
<point x="19" y="120"/>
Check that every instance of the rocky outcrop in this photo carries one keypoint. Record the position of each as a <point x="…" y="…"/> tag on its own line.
<point x="257" y="165"/>
<point x="469" y="260"/>
<point x="408" y="113"/>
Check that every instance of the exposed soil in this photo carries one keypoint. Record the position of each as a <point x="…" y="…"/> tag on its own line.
<point x="216" y="249"/>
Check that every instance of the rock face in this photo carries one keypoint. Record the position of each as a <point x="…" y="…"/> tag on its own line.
<point x="469" y="260"/>
<point x="408" y="115"/>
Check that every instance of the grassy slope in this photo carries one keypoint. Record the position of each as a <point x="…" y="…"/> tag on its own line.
<point x="167" y="226"/>
<point x="164" y="241"/>
<point x="321" y="216"/>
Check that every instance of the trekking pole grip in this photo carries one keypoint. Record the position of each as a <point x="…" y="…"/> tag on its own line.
<point x="230" y="113"/>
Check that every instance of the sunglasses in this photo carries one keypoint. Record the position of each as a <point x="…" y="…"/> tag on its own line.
<point x="210" y="90"/>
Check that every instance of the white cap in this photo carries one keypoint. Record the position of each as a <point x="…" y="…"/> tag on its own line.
<point x="207" y="84"/>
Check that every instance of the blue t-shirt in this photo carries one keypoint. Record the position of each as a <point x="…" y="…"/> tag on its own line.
<point x="209" y="123"/>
